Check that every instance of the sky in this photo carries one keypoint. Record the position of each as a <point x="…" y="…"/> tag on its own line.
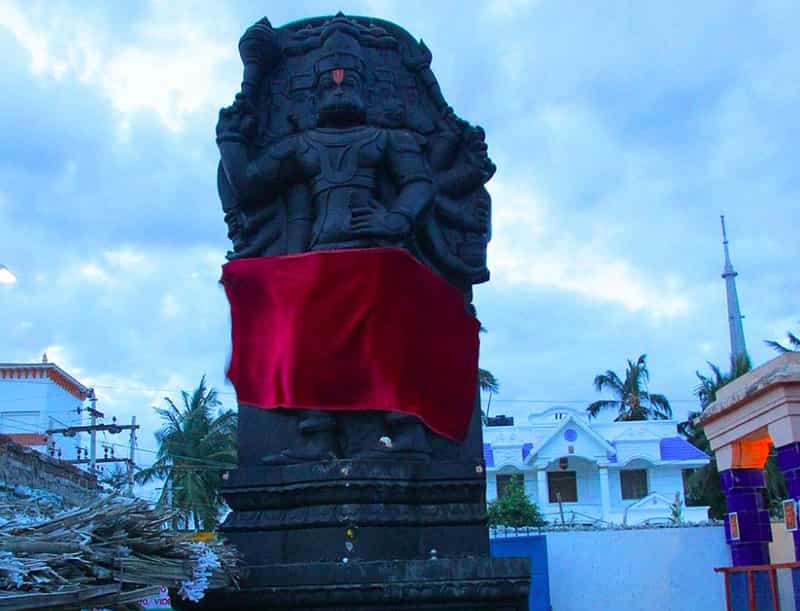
<point x="621" y="132"/>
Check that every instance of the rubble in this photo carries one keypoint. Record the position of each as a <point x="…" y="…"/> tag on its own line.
<point x="111" y="552"/>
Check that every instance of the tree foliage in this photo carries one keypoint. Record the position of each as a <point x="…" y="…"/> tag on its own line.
<point x="633" y="399"/>
<point x="514" y="508"/>
<point x="704" y="485"/>
<point x="794" y="344"/>
<point x="196" y="443"/>
<point x="487" y="381"/>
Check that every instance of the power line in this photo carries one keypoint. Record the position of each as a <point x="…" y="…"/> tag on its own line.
<point x="233" y="394"/>
<point x="205" y="461"/>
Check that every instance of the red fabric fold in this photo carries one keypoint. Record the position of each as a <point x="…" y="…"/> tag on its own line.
<point x="352" y="330"/>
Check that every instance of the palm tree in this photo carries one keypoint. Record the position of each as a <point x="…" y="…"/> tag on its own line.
<point x="706" y="391"/>
<point x="704" y="485"/>
<point x="487" y="381"/>
<point x="794" y="344"/>
<point x="633" y="400"/>
<point x="194" y="447"/>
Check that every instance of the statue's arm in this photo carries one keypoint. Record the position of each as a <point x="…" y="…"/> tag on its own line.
<point x="415" y="188"/>
<point x="470" y="215"/>
<point x="474" y="169"/>
<point x="248" y="176"/>
<point x="415" y="191"/>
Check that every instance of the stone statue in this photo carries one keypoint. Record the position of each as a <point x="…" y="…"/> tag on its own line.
<point x="355" y="202"/>
<point x="340" y="138"/>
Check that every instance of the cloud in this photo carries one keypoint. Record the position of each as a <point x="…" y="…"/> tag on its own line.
<point x="507" y="9"/>
<point x="33" y="41"/>
<point x="618" y="145"/>
<point x="169" y="67"/>
<point x="170" y="307"/>
<point x="530" y="248"/>
<point x="7" y="277"/>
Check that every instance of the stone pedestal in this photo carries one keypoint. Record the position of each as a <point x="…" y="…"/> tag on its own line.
<point x="366" y="535"/>
<point x="363" y="534"/>
<point x="744" y="495"/>
<point x="356" y="511"/>
<point x="479" y="584"/>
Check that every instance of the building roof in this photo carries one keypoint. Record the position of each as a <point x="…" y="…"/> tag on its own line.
<point x="49" y="371"/>
<point x="677" y="448"/>
<point x="565" y="431"/>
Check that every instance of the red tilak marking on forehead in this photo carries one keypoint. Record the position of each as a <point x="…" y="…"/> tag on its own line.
<point x="338" y="75"/>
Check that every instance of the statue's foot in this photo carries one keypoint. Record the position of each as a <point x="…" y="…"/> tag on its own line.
<point x="380" y="452"/>
<point x="316" y="446"/>
<point x="293" y="456"/>
<point x="410" y="447"/>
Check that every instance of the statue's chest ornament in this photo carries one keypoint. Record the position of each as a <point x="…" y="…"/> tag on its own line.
<point x="339" y="154"/>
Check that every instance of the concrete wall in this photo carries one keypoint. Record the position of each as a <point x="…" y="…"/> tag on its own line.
<point x="668" y="569"/>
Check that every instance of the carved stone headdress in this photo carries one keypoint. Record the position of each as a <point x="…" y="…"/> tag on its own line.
<point x="340" y="49"/>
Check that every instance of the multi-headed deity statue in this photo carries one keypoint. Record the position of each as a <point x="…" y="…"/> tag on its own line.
<point x="341" y="139"/>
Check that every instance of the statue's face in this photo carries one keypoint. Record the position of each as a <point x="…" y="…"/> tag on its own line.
<point x="339" y="98"/>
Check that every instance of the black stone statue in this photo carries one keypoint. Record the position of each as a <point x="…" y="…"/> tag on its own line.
<point x="341" y="138"/>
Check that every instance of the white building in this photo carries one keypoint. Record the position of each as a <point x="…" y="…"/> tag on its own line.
<point x="37" y="397"/>
<point x="615" y="472"/>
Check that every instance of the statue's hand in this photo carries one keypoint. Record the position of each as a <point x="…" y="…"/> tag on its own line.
<point x="476" y="151"/>
<point x="238" y="119"/>
<point x="476" y="215"/>
<point x="369" y="218"/>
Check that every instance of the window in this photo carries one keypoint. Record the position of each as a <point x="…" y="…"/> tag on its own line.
<point x="503" y="482"/>
<point x="633" y="483"/>
<point x="563" y="484"/>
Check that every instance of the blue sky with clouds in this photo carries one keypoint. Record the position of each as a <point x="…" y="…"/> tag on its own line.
<point x="621" y="132"/>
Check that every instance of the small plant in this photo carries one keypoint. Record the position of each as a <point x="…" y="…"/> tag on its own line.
<point x="676" y="509"/>
<point x="514" y="508"/>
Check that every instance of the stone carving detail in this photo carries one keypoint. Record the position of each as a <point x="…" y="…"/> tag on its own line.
<point x="339" y="138"/>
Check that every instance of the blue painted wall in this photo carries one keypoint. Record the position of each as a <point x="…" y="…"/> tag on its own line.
<point x="535" y="548"/>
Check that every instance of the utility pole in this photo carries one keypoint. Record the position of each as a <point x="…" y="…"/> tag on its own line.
<point x="93" y="429"/>
<point x="92" y="432"/>
<point x="131" y="454"/>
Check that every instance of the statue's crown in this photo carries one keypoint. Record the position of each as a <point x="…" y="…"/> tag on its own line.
<point x="340" y="47"/>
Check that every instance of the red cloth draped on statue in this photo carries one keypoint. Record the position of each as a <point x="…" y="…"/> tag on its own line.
<point x="352" y="330"/>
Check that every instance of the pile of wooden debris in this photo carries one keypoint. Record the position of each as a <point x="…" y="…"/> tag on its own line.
<point x="111" y="553"/>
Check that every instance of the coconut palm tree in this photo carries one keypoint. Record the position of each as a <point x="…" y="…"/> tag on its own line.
<point x="703" y="485"/>
<point x="706" y="392"/>
<point x="195" y="444"/>
<point x="633" y="400"/>
<point x="794" y="344"/>
<point x="487" y="381"/>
